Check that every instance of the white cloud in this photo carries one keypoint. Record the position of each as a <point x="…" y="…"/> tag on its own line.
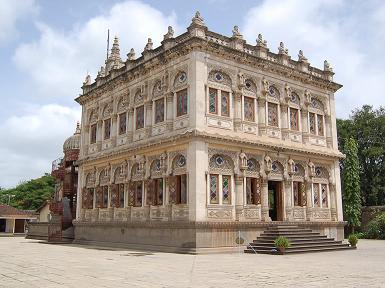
<point x="11" y="12"/>
<point x="58" y="61"/>
<point x="332" y="30"/>
<point x="33" y="140"/>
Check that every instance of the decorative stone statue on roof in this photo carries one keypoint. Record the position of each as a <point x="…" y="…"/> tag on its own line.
<point x="261" y="42"/>
<point x="114" y="61"/>
<point x="102" y="72"/>
<point x="282" y="50"/>
<point x="169" y="34"/>
<point x="236" y="33"/>
<point x="148" y="45"/>
<point x="131" y="55"/>
<point x="301" y="57"/>
<point x="327" y="66"/>
<point x="87" y="81"/>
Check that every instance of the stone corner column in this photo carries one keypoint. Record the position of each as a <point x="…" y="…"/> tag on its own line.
<point x="265" y="201"/>
<point x="309" y="200"/>
<point x="239" y="201"/>
<point x="288" y="216"/>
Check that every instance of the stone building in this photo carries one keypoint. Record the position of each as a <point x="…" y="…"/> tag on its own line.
<point x="203" y="138"/>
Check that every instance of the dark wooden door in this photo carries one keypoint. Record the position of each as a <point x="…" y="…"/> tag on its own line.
<point x="19" y="225"/>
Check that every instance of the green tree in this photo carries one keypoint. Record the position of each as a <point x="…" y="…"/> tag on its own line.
<point x="29" y="195"/>
<point x="351" y="180"/>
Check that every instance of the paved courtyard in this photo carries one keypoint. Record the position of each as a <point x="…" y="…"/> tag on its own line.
<point x="30" y="263"/>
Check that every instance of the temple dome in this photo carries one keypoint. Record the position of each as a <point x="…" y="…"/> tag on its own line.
<point x="73" y="142"/>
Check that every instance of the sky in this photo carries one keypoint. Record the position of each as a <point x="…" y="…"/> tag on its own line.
<point x="47" y="48"/>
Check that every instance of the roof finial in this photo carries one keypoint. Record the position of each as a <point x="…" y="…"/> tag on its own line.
<point x="77" y="131"/>
<point x="261" y="42"/>
<point x="197" y="19"/>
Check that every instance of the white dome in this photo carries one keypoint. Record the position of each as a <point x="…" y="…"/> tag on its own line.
<point x="73" y="142"/>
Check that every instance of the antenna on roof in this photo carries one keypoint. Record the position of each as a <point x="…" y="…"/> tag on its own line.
<point x="108" y="42"/>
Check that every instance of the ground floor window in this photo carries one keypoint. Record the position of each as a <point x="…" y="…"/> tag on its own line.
<point x="299" y="193"/>
<point x="88" y="198"/>
<point x="117" y="195"/>
<point x="178" y="189"/>
<point x="138" y="193"/>
<point x="155" y="192"/>
<point x="102" y="196"/>
<point x="320" y="195"/>
<point x="220" y="187"/>
<point x="253" y="191"/>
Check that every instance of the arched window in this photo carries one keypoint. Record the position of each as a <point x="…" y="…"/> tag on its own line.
<point x="220" y="179"/>
<point x="320" y="187"/>
<point x="294" y="112"/>
<point x="316" y="117"/>
<point x="272" y="107"/>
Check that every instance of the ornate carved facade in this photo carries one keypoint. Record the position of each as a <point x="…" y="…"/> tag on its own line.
<point x="208" y="129"/>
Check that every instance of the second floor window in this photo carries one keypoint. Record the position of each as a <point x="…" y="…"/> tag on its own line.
<point x="181" y="102"/>
<point x="248" y="109"/>
<point x="272" y="114"/>
<point x="216" y="103"/>
<point x="139" y="117"/>
<point x="93" y="134"/>
<point x="316" y="124"/>
<point x="107" y="128"/>
<point x="294" y="119"/>
<point x="122" y="123"/>
<point x="159" y="110"/>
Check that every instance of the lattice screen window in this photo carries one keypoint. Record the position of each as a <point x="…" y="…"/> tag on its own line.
<point x="122" y="123"/>
<point x="139" y="117"/>
<point x="107" y="128"/>
<point x="226" y="189"/>
<point x="138" y="193"/>
<point x="316" y="195"/>
<point x="93" y="133"/>
<point x="294" y="119"/>
<point x="324" y="193"/>
<point x="213" y="101"/>
<point x="253" y="191"/>
<point x="105" y="197"/>
<point x="248" y="109"/>
<point x="159" y="110"/>
<point x="320" y="125"/>
<point x="272" y="114"/>
<point x="214" y="183"/>
<point x="181" y="102"/>
<point x="225" y="103"/>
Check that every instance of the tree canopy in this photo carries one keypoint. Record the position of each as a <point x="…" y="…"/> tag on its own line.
<point x="367" y="127"/>
<point x="29" y="195"/>
<point x="351" y="180"/>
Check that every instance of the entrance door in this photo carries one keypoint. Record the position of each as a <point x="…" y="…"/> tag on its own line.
<point x="19" y="225"/>
<point x="3" y="223"/>
<point x="275" y="200"/>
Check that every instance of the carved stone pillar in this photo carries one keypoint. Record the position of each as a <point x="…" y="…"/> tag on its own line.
<point x="237" y="110"/>
<point x="114" y="129"/>
<point x="288" y="200"/>
<point x="328" y="131"/>
<point x="284" y="122"/>
<point x="238" y="197"/>
<point x="305" y="131"/>
<point x="265" y="201"/>
<point x="169" y="111"/>
<point x="309" y="200"/>
<point x="148" y="107"/>
<point x="130" y="126"/>
<point x="262" y="116"/>
<point x="99" y="135"/>
<point x="333" y="206"/>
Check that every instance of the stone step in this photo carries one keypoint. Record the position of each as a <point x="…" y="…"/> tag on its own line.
<point x="302" y="233"/>
<point x="325" y="249"/>
<point x="299" y="247"/>
<point x="287" y="230"/>
<point x="293" y="237"/>
<point x="296" y="242"/>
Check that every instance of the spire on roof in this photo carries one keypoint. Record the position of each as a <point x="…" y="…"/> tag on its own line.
<point x="114" y="61"/>
<point x="197" y="19"/>
<point x="131" y="55"/>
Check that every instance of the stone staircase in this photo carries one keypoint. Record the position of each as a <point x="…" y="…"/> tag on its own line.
<point x="302" y="240"/>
